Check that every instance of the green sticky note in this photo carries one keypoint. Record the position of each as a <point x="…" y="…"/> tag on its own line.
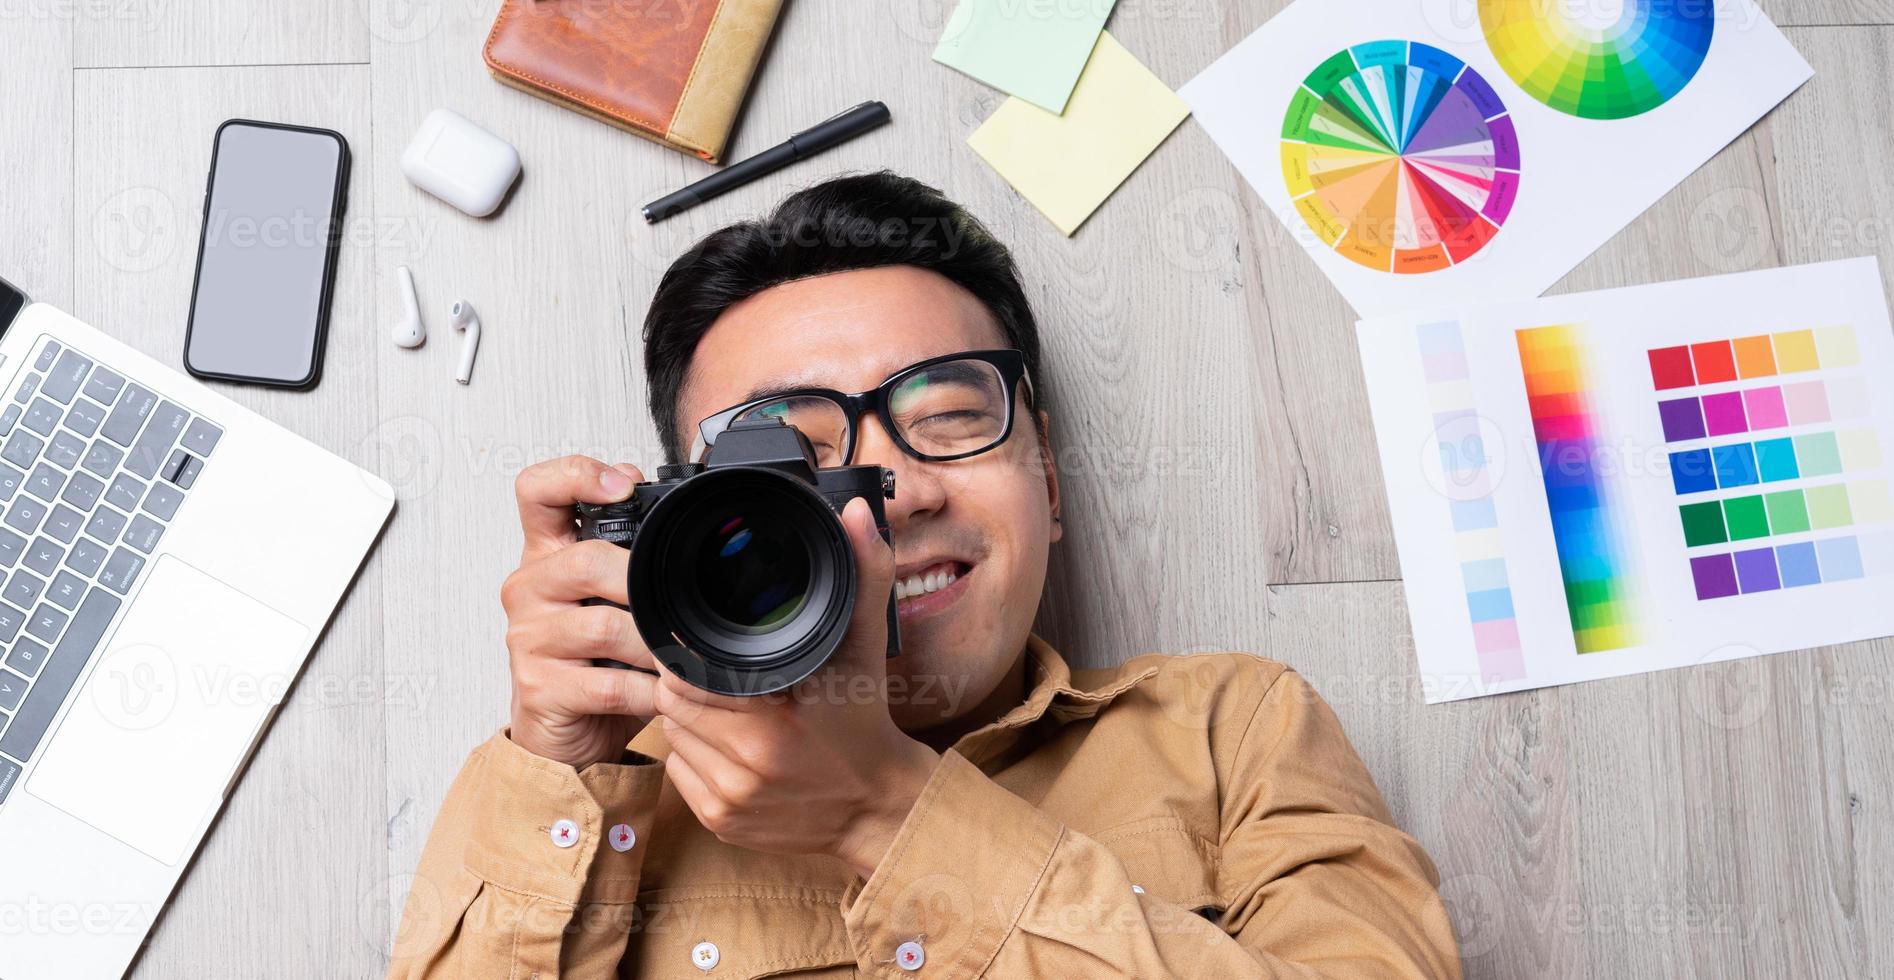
<point x="1788" y="514"/>
<point x="1747" y="518"/>
<point x="1029" y="48"/>
<point x="1828" y="506"/>
<point x="1703" y="524"/>
<point x="1066" y="165"/>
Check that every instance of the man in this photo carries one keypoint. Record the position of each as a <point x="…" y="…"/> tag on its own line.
<point x="971" y="807"/>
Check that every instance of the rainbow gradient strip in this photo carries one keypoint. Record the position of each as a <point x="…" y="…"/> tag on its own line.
<point x="1585" y="531"/>
<point x="1631" y="65"/>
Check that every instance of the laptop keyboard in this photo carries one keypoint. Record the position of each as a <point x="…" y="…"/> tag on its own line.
<point x="93" y="467"/>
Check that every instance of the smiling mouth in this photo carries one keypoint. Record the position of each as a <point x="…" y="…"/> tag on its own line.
<point x="929" y="580"/>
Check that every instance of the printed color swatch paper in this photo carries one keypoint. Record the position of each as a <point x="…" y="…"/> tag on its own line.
<point x="1650" y="477"/>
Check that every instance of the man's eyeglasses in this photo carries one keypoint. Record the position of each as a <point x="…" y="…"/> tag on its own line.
<point x="941" y="409"/>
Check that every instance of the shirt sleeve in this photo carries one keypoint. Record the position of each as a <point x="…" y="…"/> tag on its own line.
<point x="1314" y="879"/>
<point x="518" y="877"/>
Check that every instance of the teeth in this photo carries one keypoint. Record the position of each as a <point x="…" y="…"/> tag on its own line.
<point x="921" y="583"/>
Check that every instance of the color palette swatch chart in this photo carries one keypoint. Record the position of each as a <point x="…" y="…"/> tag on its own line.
<point x="1609" y="483"/>
<point x="1400" y="157"/>
<point x="1430" y="153"/>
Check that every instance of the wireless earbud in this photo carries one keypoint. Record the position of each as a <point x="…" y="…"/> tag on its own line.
<point x="463" y="317"/>
<point x="410" y="332"/>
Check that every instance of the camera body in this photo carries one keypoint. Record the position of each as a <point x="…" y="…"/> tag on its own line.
<point x="742" y="579"/>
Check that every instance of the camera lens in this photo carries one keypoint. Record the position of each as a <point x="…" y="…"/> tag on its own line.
<point x="753" y="571"/>
<point x="742" y="580"/>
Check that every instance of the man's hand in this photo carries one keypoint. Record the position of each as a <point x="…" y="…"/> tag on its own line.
<point x="564" y="708"/>
<point x="819" y="769"/>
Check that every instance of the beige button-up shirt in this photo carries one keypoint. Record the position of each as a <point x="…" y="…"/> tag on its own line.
<point x="1198" y="816"/>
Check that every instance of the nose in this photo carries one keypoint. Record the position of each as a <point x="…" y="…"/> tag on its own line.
<point x="918" y="490"/>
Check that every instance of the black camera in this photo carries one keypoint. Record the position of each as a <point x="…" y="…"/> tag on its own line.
<point x="742" y="577"/>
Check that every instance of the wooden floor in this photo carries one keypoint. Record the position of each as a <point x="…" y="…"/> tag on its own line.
<point x="1223" y="490"/>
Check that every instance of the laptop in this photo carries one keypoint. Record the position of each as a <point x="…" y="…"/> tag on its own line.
<point x="167" y="561"/>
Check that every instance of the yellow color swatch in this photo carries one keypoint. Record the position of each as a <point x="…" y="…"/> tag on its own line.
<point x="1838" y="346"/>
<point x="1066" y="165"/>
<point x="1795" y="351"/>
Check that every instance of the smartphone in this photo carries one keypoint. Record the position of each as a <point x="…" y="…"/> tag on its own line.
<point x="266" y="255"/>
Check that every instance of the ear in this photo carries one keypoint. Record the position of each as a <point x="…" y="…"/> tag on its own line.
<point x="1048" y="459"/>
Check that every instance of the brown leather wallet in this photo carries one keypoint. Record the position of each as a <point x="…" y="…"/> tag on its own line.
<point x="674" y="71"/>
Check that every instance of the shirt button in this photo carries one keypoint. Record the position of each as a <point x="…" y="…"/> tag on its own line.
<point x="910" y="955"/>
<point x="623" y="838"/>
<point x="564" y="833"/>
<point x="704" y="956"/>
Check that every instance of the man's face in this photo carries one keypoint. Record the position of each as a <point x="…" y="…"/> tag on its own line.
<point x="988" y="519"/>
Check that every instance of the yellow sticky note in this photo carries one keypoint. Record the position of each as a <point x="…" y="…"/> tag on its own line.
<point x="1066" y="165"/>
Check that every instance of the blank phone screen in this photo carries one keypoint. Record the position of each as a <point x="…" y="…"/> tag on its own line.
<point x="263" y="267"/>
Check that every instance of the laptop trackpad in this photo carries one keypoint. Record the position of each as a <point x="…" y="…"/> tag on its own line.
<point x="169" y="711"/>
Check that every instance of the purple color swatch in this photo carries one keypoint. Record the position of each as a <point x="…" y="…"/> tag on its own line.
<point x="1682" y="419"/>
<point x="1715" y="576"/>
<point x="1757" y="570"/>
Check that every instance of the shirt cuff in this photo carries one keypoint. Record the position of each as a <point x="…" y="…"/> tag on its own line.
<point x="956" y="878"/>
<point x="541" y="827"/>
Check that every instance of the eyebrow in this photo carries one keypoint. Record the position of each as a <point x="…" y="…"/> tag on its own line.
<point x="774" y="389"/>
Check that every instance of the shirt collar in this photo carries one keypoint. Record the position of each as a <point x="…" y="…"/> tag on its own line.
<point x="1053" y="695"/>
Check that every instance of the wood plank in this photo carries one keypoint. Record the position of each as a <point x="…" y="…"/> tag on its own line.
<point x="292" y="861"/>
<point x="147" y="33"/>
<point x="1704" y="822"/>
<point x="36" y="145"/>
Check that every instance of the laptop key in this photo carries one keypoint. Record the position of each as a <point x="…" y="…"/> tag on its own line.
<point x="67" y="661"/>
<point x="65" y="523"/>
<point x="28" y="385"/>
<point x="65" y="592"/>
<point x="12" y="690"/>
<point x="46" y="355"/>
<point x="25" y="514"/>
<point x="83" y="492"/>
<point x="124" y="492"/>
<point x="162" y="500"/>
<point x="8" y="417"/>
<point x="11" y="620"/>
<point x="42" y="416"/>
<point x="10" y="480"/>
<point x="64" y="449"/>
<point x="154" y="444"/>
<point x="120" y="570"/>
<point x="45" y="483"/>
<point x="103" y="386"/>
<point x="102" y="458"/>
<point x="43" y="557"/>
<point x="85" y="416"/>
<point x="46" y="622"/>
<point x="129" y="415"/>
<point x="23" y="588"/>
<point x="9" y="774"/>
<point x="182" y="469"/>
<point x="27" y="656"/>
<point x="63" y="379"/>
<point x="22" y="448"/>
<point x="106" y="524"/>
<point x="202" y="437"/>
<point x="143" y="534"/>
<point x="86" y="556"/>
<point x="12" y="546"/>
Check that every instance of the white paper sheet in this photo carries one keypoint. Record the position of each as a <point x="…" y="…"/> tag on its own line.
<point x="1578" y="180"/>
<point x="1486" y="564"/>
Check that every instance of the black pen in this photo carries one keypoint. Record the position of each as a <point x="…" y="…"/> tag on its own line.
<point x="839" y="128"/>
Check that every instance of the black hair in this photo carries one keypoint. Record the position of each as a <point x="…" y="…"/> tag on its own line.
<point x="860" y="221"/>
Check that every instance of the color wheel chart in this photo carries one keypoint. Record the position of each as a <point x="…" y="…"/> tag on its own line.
<point x="1608" y="59"/>
<point x="1587" y="530"/>
<point x="1400" y="157"/>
